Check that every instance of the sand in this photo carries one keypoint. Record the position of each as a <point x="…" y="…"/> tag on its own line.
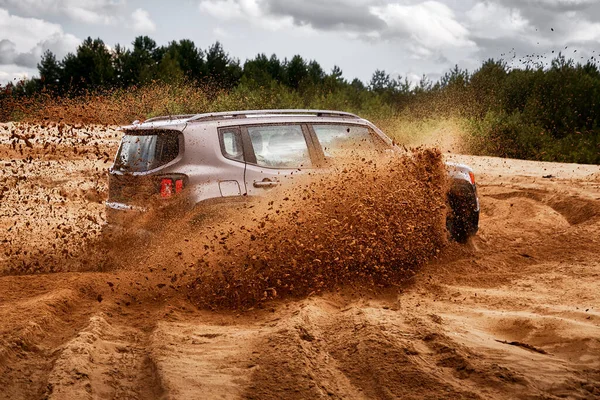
<point x="514" y="313"/>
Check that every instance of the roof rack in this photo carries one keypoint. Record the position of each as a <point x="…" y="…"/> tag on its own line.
<point x="170" y="117"/>
<point x="244" y="114"/>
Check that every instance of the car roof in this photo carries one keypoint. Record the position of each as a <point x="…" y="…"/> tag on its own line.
<point x="248" y="117"/>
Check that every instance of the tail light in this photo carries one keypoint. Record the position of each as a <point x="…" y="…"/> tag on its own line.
<point x="170" y="185"/>
<point x="472" y="177"/>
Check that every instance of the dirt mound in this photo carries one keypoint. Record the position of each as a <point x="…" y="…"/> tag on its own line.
<point x="368" y="222"/>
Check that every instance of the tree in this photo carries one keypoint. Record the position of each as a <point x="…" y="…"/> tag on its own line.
<point x="169" y="70"/>
<point x="90" y="67"/>
<point x="256" y="71"/>
<point x="425" y="85"/>
<point x="335" y="79"/>
<point x="142" y="64"/>
<point x="222" y="70"/>
<point x="316" y="75"/>
<point x="276" y="69"/>
<point x="120" y="61"/>
<point x="380" y="81"/>
<point x="455" y="78"/>
<point x="486" y="84"/>
<point x="50" y="70"/>
<point x="296" y="72"/>
<point x="189" y="58"/>
<point x="357" y="84"/>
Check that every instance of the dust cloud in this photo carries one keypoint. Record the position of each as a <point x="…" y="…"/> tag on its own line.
<point x="367" y="222"/>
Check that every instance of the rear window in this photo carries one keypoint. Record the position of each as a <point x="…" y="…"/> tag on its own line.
<point x="336" y="140"/>
<point x="139" y="153"/>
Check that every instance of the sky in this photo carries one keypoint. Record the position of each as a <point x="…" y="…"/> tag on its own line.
<point x="406" y="38"/>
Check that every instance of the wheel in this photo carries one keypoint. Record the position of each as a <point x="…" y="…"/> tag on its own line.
<point x="457" y="227"/>
<point x="463" y="219"/>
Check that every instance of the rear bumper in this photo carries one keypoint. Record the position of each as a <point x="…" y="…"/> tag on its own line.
<point x="122" y="214"/>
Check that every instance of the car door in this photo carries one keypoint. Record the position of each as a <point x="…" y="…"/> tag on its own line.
<point x="275" y="152"/>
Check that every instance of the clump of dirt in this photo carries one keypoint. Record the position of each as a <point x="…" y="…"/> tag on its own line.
<point x="366" y="222"/>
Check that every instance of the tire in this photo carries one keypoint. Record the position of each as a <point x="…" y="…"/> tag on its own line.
<point x="457" y="227"/>
<point x="462" y="221"/>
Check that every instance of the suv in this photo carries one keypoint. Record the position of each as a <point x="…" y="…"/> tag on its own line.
<point x="226" y="156"/>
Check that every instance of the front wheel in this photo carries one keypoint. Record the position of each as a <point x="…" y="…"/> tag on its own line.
<point x="462" y="221"/>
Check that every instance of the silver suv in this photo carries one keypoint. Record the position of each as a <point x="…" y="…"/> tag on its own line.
<point x="227" y="156"/>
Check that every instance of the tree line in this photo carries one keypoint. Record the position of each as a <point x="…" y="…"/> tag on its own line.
<point x="535" y="112"/>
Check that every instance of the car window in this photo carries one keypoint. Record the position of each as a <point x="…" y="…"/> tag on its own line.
<point x="138" y="153"/>
<point x="231" y="144"/>
<point x="279" y="146"/>
<point x="337" y="140"/>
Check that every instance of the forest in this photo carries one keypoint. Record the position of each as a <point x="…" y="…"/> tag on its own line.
<point x="537" y="112"/>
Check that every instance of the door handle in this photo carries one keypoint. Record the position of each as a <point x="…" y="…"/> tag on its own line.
<point x="265" y="183"/>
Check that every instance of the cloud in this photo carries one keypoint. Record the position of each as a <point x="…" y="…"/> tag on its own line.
<point x="328" y="15"/>
<point x="220" y="33"/>
<point x="532" y="29"/>
<point x="490" y="20"/>
<point x="87" y="11"/>
<point x="25" y="40"/>
<point x="225" y="10"/>
<point x="142" y="21"/>
<point x="253" y="12"/>
<point x="9" y="55"/>
<point x="556" y="5"/>
<point x="14" y="73"/>
<point x="429" y="27"/>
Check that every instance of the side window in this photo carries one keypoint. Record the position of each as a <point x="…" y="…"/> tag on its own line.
<point x="231" y="144"/>
<point x="337" y="140"/>
<point x="279" y="146"/>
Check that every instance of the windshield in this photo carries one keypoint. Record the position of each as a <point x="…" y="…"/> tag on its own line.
<point x="139" y="153"/>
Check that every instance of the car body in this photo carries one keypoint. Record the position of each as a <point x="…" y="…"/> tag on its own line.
<point x="232" y="156"/>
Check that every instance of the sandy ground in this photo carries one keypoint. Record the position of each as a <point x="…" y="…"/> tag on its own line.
<point x="515" y="313"/>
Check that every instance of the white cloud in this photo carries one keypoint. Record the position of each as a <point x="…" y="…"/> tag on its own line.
<point x="87" y="11"/>
<point x="581" y="31"/>
<point x="492" y="21"/>
<point x="224" y="10"/>
<point x="24" y="40"/>
<point x="254" y="12"/>
<point x="427" y="28"/>
<point x="14" y="73"/>
<point x="221" y="33"/>
<point x="142" y="21"/>
<point x="25" y="32"/>
<point x="553" y="4"/>
<point x="545" y="23"/>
